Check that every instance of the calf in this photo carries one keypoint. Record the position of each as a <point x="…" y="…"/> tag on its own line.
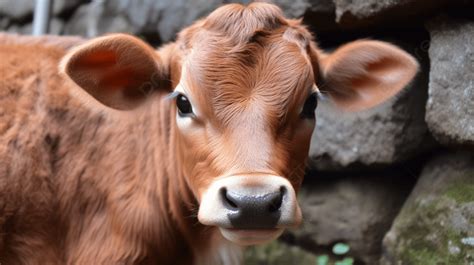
<point x="127" y="155"/>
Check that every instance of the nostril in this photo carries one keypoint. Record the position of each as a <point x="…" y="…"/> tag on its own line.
<point x="229" y="202"/>
<point x="275" y="204"/>
<point x="277" y="200"/>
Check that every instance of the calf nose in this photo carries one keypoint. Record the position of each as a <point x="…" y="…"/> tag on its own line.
<point x="253" y="212"/>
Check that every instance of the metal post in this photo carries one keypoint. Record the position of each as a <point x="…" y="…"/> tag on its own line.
<point x="41" y="17"/>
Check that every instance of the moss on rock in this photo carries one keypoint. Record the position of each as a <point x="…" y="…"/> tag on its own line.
<point x="462" y="192"/>
<point x="437" y="220"/>
<point x="426" y="237"/>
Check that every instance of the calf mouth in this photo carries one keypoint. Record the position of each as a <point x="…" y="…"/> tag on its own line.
<point x="250" y="210"/>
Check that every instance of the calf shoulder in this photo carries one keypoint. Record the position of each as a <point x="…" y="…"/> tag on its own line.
<point x="28" y="203"/>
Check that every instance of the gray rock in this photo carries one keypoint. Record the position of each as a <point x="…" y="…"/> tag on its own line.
<point x="357" y="210"/>
<point x="80" y="22"/>
<point x="163" y="18"/>
<point x="361" y="13"/>
<point x="16" y="9"/>
<point x="357" y="10"/>
<point x="19" y="9"/>
<point x="450" y="107"/>
<point x="60" y="6"/>
<point x="56" y="26"/>
<point x="390" y="133"/>
<point x="96" y="18"/>
<point x="435" y="225"/>
<point x="21" y="29"/>
<point x="319" y="13"/>
<point x="175" y="17"/>
<point x="4" y="23"/>
<point x="293" y="9"/>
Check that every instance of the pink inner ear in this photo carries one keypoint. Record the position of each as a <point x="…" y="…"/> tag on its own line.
<point x="97" y="59"/>
<point x="106" y="67"/>
<point x="120" y="71"/>
<point x="117" y="78"/>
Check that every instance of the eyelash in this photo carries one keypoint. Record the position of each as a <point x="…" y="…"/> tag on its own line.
<point x="309" y="107"/>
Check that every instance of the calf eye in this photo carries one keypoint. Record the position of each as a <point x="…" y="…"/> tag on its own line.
<point x="184" y="106"/>
<point x="309" y="107"/>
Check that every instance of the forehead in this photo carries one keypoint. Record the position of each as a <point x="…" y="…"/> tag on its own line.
<point x="270" y="71"/>
<point x="241" y="56"/>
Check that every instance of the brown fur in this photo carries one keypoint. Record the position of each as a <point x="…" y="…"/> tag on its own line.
<point x="67" y="173"/>
<point x="84" y="184"/>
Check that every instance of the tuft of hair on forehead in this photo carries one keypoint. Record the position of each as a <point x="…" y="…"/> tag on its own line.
<point x="241" y="23"/>
<point x="239" y="55"/>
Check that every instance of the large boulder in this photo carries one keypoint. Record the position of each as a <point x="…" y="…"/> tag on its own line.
<point x="24" y="29"/>
<point x="387" y="134"/>
<point x="16" y="9"/>
<point x="4" y="23"/>
<point x="22" y="9"/>
<point x="357" y="210"/>
<point x="60" y="7"/>
<point x="318" y="13"/>
<point x="97" y="18"/>
<point x="436" y="224"/>
<point x="160" y="18"/>
<point x="392" y="13"/>
<point x="450" y="107"/>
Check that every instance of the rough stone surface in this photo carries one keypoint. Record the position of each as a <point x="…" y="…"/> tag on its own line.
<point x="364" y="9"/>
<point x="56" y="26"/>
<point x="21" y="29"/>
<point x="164" y="18"/>
<point x="357" y="210"/>
<point x="450" y="107"/>
<point x="4" y="23"/>
<point x="60" y="6"/>
<point x="299" y="8"/>
<point x="390" y="133"/>
<point x="174" y="17"/>
<point x="95" y="19"/>
<point x="16" y="9"/>
<point x="436" y="224"/>
<point x="19" y="9"/>
<point x="278" y="253"/>
<point x="318" y="14"/>
<point x="362" y="13"/>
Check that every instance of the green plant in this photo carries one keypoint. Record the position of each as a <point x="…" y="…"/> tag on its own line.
<point x="322" y="260"/>
<point x="338" y="249"/>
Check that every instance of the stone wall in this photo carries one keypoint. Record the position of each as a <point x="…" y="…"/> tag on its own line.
<point x="395" y="183"/>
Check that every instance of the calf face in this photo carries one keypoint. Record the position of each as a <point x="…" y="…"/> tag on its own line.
<point x="245" y="82"/>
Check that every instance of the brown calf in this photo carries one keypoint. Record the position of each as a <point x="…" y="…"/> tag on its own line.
<point x="175" y="156"/>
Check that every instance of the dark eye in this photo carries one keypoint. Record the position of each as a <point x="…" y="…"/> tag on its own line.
<point x="184" y="106"/>
<point x="309" y="107"/>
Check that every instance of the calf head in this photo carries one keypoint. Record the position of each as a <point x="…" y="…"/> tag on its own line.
<point x="245" y="83"/>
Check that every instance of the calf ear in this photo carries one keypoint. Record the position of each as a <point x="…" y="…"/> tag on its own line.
<point x="118" y="70"/>
<point x="362" y="74"/>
